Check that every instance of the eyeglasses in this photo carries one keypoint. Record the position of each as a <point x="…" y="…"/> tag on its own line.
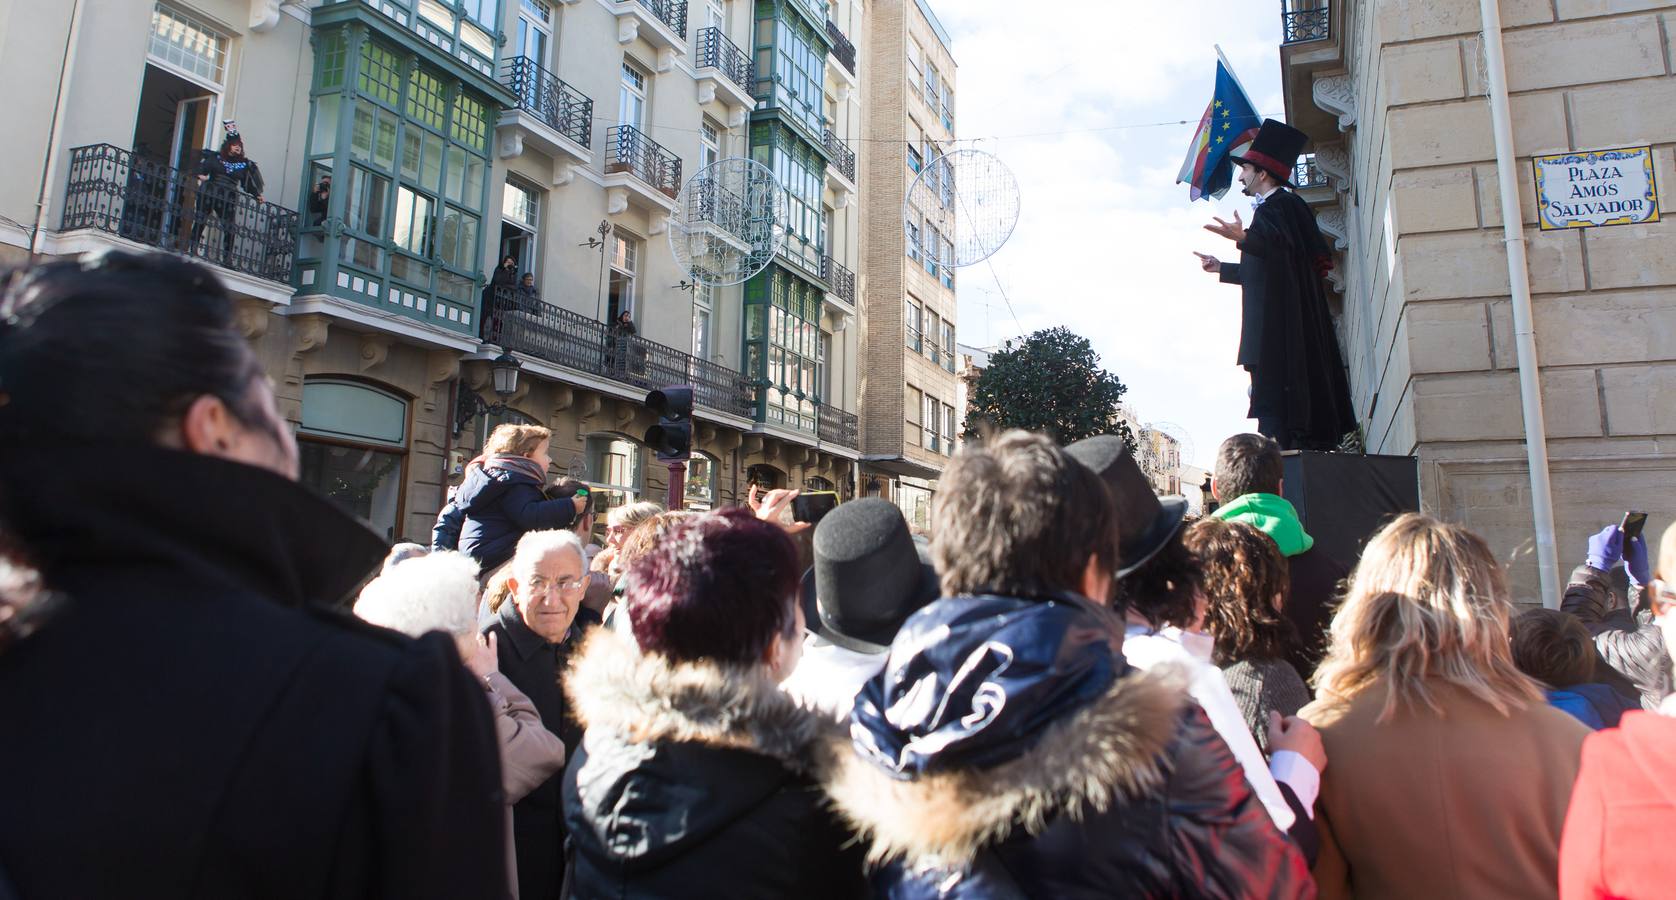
<point x="541" y="584"/>
<point x="1662" y="597"/>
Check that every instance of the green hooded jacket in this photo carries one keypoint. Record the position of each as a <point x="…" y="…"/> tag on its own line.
<point x="1273" y="515"/>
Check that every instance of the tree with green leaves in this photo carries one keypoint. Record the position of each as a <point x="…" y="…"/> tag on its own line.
<point x="1050" y="382"/>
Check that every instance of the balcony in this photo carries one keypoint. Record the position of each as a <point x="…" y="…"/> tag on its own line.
<point x="834" y="426"/>
<point x="551" y="114"/>
<point x="639" y="170"/>
<point x="725" y="71"/>
<point x="111" y="190"/>
<point x="842" y="50"/>
<point x="527" y="325"/>
<point x="661" y="23"/>
<point x="843" y="158"/>
<point x="841" y="279"/>
<point x="1308" y="175"/>
<point x="1311" y="23"/>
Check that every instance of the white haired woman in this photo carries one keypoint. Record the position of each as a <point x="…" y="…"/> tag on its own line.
<point x="538" y="619"/>
<point x="1450" y="775"/>
<point x="438" y="592"/>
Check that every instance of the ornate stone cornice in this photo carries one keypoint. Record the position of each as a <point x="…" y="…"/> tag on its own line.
<point x="1332" y="225"/>
<point x="1337" y="94"/>
<point x="1334" y="161"/>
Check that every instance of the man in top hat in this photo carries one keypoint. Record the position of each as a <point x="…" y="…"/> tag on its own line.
<point x="869" y="575"/>
<point x="1299" y="395"/>
<point x="1159" y="596"/>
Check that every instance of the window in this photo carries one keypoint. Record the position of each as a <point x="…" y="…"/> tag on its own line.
<point x="913" y="406"/>
<point x="913" y="237"/>
<point x="624" y="261"/>
<point x="381" y="73"/>
<point x="483" y="11"/>
<point x="613" y="471"/>
<point x="946" y="338"/>
<point x="948" y="269"/>
<point x="700" y="493"/>
<point x="915" y="57"/>
<point x="800" y="171"/>
<point x="412" y="230"/>
<point x="704" y="299"/>
<point x="911" y="325"/>
<point x="352" y="445"/>
<point x="948" y="429"/>
<point x="782" y="333"/>
<point x="535" y="30"/>
<point x="933" y="244"/>
<point x="521" y="205"/>
<point x="825" y="369"/>
<point x="948" y="106"/>
<point x="932" y="348"/>
<point x="932" y="416"/>
<point x="184" y="43"/>
<point x="718" y="14"/>
<point x="709" y="143"/>
<point x="457" y="240"/>
<point x="931" y="82"/>
<point x="915" y="162"/>
<point x="791" y="72"/>
<point x="426" y="102"/>
<point x="631" y="97"/>
<point x="520" y="222"/>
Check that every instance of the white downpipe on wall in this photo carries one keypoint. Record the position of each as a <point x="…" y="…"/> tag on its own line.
<point x="49" y="168"/>
<point x="1524" y="328"/>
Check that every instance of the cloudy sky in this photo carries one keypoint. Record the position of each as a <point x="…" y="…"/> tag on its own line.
<point x="1105" y="239"/>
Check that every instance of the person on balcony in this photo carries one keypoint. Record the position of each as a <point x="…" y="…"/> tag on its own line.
<point x="1299" y="393"/>
<point x="529" y="297"/>
<point x="617" y="336"/>
<point x="502" y="281"/>
<point x="222" y="176"/>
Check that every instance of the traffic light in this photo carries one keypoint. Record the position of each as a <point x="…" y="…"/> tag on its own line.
<point x="672" y="437"/>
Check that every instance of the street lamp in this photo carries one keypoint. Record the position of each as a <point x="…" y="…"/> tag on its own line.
<point x="504" y="370"/>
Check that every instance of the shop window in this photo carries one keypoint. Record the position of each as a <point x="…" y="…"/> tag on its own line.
<point x="701" y="482"/>
<point x="353" y="447"/>
<point x="613" y="471"/>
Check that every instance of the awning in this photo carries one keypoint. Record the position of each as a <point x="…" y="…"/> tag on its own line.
<point x="899" y="465"/>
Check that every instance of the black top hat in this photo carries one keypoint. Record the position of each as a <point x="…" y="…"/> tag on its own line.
<point x="1275" y="150"/>
<point x="869" y="576"/>
<point x="1144" y="522"/>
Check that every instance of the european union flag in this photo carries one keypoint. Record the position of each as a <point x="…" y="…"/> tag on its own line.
<point x="1229" y="121"/>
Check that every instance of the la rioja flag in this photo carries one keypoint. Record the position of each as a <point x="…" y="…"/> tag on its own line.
<point x="1229" y="121"/>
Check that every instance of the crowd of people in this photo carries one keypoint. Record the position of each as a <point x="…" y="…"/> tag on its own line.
<point x="1070" y="689"/>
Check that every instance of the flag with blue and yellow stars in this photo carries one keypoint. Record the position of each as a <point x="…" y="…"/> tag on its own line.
<point x="1229" y="121"/>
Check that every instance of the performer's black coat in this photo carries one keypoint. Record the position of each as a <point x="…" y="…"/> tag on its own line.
<point x="1299" y="395"/>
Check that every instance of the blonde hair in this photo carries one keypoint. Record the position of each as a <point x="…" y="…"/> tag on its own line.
<point x="532" y="548"/>
<point x="515" y="440"/>
<point x="434" y="592"/>
<point x="633" y="514"/>
<point x="1666" y="563"/>
<point x="1427" y="602"/>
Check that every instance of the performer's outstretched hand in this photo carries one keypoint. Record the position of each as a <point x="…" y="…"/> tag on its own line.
<point x="1233" y="231"/>
<point x="1208" y="263"/>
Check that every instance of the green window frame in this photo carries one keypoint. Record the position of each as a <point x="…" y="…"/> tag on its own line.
<point x="332" y="53"/>
<point x="381" y="73"/>
<point x="791" y="64"/>
<point x="782" y="349"/>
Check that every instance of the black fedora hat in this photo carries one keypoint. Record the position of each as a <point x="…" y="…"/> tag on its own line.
<point x="1275" y="150"/>
<point x="1144" y="522"/>
<point x="869" y="576"/>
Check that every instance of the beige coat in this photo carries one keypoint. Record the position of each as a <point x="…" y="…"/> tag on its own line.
<point x="529" y="753"/>
<point x="1467" y="804"/>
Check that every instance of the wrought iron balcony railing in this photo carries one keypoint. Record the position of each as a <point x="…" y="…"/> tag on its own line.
<point x="628" y="149"/>
<point x="834" y="426"/>
<point x="842" y="49"/>
<point x="113" y="190"/>
<point x="841" y="279"/>
<point x="714" y="49"/>
<point x="1307" y="174"/>
<point x="520" y="321"/>
<point x="1300" y="25"/>
<point x="843" y="158"/>
<point x="670" y="12"/>
<point x="562" y="107"/>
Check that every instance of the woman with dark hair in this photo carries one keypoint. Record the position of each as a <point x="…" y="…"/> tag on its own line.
<point x="222" y="176"/>
<point x="198" y="706"/>
<point x="697" y="775"/>
<point x="1245" y="592"/>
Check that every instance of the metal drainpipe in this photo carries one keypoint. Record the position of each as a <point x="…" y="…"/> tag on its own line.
<point x="1524" y="328"/>
<point x="49" y="166"/>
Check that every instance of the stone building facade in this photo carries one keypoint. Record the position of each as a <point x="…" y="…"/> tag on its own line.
<point x="1404" y="180"/>
<point x="558" y="133"/>
<point x="909" y="389"/>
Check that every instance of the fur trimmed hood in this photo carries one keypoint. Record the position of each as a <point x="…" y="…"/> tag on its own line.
<point x="645" y="698"/>
<point x="1109" y="751"/>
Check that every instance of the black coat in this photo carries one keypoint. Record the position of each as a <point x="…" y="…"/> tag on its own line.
<point x="534" y="666"/>
<point x="1311" y="599"/>
<point x="1630" y="646"/>
<point x="198" y="721"/>
<point x="495" y="507"/>
<point x="1031" y="761"/>
<point x="1299" y="394"/>
<point x="699" y="780"/>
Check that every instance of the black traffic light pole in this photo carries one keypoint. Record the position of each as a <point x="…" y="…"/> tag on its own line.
<point x="672" y="438"/>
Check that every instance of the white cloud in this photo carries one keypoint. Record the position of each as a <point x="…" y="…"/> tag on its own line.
<point x="1104" y="240"/>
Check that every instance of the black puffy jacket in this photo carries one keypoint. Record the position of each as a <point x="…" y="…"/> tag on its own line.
<point x="1627" y="642"/>
<point x="698" y="780"/>
<point x="492" y="509"/>
<point x="1007" y="750"/>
